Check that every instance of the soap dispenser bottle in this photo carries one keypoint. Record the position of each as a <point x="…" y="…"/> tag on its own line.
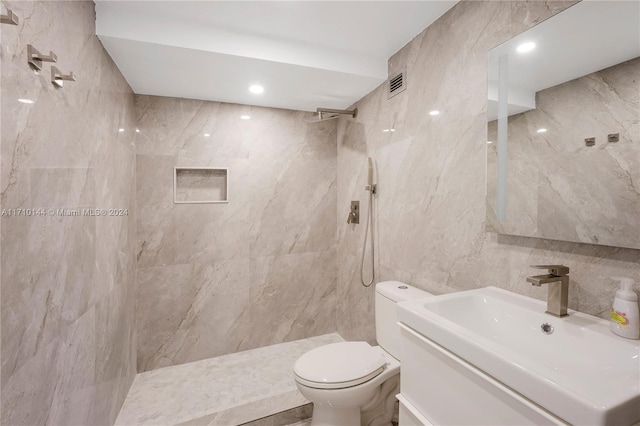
<point x="625" y="319"/>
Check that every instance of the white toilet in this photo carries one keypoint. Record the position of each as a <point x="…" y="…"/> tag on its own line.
<point x="354" y="383"/>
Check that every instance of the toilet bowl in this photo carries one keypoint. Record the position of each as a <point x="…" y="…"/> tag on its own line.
<point x="340" y="378"/>
<point x="354" y="383"/>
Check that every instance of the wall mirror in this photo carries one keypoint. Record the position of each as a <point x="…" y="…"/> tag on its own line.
<point x="563" y="145"/>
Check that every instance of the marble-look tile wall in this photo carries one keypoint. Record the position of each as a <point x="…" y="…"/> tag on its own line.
<point x="558" y="187"/>
<point x="432" y="175"/>
<point x="261" y="269"/>
<point x="67" y="282"/>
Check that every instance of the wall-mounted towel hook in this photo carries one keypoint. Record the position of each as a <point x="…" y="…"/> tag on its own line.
<point x="10" y="18"/>
<point x="58" y="79"/>
<point x="35" y="58"/>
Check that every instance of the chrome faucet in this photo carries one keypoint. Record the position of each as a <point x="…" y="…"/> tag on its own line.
<point x="558" y="291"/>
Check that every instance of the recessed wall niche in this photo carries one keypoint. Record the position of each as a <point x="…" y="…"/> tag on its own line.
<point x="200" y="185"/>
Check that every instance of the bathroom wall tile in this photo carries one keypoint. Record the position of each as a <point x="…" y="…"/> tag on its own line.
<point x="115" y="341"/>
<point x="65" y="281"/>
<point x="172" y="126"/>
<point x="31" y="389"/>
<point x="281" y="210"/>
<point x="162" y="120"/>
<point x="431" y="191"/>
<point x="430" y="209"/>
<point x="525" y="14"/>
<point x="62" y="371"/>
<point x="355" y="305"/>
<point x="62" y="187"/>
<point x="40" y="294"/>
<point x="76" y="375"/>
<point x="281" y="199"/>
<point x="291" y="213"/>
<point x="156" y="238"/>
<point x="178" y="304"/>
<point x="295" y="295"/>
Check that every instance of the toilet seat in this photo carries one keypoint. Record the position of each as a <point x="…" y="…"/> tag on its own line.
<point x="339" y="365"/>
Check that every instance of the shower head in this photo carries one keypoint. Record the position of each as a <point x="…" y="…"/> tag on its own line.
<point x="324" y="114"/>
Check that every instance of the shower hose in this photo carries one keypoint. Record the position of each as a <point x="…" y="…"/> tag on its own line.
<point x="364" y="245"/>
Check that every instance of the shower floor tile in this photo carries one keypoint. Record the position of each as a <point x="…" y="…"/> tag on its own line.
<point x="227" y="390"/>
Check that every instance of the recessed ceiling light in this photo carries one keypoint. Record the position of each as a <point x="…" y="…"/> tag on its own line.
<point x="245" y="117"/>
<point x="121" y="130"/>
<point x="526" y="47"/>
<point x="257" y="89"/>
<point x="137" y="130"/>
<point x="25" y="101"/>
<point x="541" y="130"/>
<point x="434" y="112"/>
<point x="489" y="142"/>
<point x="206" y="135"/>
<point x="388" y="130"/>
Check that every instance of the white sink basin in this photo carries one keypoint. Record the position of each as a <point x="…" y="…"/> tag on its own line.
<point x="581" y="372"/>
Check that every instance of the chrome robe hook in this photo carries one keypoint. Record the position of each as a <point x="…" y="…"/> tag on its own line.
<point x="58" y="79"/>
<point x="35" y="58"/>
<point x="10" y="18"/>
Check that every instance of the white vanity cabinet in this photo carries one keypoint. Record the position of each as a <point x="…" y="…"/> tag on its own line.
<point x="492" y="357"/>
<point x="439" y="388"/>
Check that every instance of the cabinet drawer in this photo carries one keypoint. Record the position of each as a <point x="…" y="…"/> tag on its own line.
<point x="447" y="390"/>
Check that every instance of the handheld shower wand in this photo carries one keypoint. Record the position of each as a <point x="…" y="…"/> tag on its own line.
<point x="371" y="187"/>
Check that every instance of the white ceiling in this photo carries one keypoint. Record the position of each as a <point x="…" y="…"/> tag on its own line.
<point x="306" y="54"/>
<point x="585" y="38"/>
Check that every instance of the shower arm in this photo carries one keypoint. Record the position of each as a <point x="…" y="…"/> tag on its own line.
<point x="352" y="112"/>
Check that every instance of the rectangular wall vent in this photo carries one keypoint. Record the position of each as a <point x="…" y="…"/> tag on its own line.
<point x="397" y="84"/>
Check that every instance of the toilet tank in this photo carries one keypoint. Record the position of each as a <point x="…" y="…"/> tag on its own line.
<point x="388" y="294"/>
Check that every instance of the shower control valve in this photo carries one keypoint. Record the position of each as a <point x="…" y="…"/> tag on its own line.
<point x="354" y="213"/>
